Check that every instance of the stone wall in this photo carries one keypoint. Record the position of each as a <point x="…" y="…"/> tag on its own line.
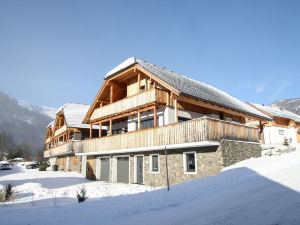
<point x="208" y="162"/>
<point x="236" y="151"/>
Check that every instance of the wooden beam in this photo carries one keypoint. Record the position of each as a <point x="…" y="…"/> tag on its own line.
<point x="110" y="126"/>
<point x="176" y="109"/>
<point x="116" y="84"/>
<point x="155" y="115"/>
<point x="139" y="120"/>
<point x="91" y="130"/>
<point x="100" y="129"/>
<point x="111" y="94"/>
<point x="139" y="83"/>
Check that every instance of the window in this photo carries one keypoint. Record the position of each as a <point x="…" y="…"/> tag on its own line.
<point x="281" y="132"/>
<point x="154" y="163"/>
<point x="147" y="123"/>
<point x="182" y="119"/>
<point x="143" y="88"/>
<point x="189" y="160"/>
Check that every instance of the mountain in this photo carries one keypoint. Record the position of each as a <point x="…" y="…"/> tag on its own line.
<point x="22" y="122"/>
<point x="292" y="105"/>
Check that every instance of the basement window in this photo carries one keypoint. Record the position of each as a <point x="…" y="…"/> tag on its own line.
<point x="154" y="163"/>
<point x="189" y="162"/>
<point x="281" y="132"/>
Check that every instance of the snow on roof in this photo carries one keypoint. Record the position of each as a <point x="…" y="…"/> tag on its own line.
<point x="191" y="87"/>
<point x="74" y="114"/>
<point x="275" y="111"/>
<point x="51" y="124"/>
<point x="123" y="65"/>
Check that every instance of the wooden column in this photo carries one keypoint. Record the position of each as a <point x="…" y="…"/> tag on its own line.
<point x="139" y="120"/>
<point x="155" y="115"/>
<point x="100" y="129"/>
<point x="176" y="110"/>
<point x="91" y="130"/>
<point x="111" y="94"/>
<point x="167" y="99"/>
<point x="139" y="83"/>
<point x="110" y="126"/>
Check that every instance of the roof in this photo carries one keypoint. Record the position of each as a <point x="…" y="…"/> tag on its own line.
<point x="191" y="87"/>
<point x="74" y="114"/>
<point x="277" y="112"/>
<point x="51" y="124"/>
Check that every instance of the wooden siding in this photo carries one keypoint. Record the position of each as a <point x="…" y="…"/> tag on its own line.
<point x="130" y="103"/>
<point x="197" y="130"/>
<point x="62" y="149"/>
<point x="60" y="130"/>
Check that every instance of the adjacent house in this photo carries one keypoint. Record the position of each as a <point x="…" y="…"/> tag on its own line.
<point x="162" y="124"/>
<point x="285" y="126"/>
<point x="63" y="131"/>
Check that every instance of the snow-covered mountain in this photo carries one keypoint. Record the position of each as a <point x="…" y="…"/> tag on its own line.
<point x="292" y="105"/>
<point x="24" y="122"/>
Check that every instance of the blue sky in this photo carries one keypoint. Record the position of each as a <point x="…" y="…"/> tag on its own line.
<point x="52" y="52"/>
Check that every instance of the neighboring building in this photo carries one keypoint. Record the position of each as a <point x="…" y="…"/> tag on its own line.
<point x="285" y="126"/>
<point x="147" y="109"/>
<point x="62" y="132"/>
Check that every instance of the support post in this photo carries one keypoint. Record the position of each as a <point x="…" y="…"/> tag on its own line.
<point x="91" y="130"/>
<point x="176" y="110"/>
<point x="111" y="94"/>
<point x="167" y="169"/>
<point x="100" y="129"/>
<point x="139" y="83"/>
<point x="139" y="120"/>
<point x="155" y="116"/>
<point x="110" y="126"/>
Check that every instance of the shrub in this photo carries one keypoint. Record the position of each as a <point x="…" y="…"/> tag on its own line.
<point x="9" y="192"/>
<point x="81" y="194"/>
<point x="43" y="167"/>
<point x="285" y="142"/>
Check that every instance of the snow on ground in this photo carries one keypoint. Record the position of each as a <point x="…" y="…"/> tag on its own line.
<point x="46" y="188"/>
<point x="262" y="191"/>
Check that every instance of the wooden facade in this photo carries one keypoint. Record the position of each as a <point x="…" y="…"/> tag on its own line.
<point x="197" y="130"/>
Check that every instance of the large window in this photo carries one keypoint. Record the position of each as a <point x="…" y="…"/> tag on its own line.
<point x="189" y="160"/>
<point x="149" y="123"/>
<point x="154" y="163"/>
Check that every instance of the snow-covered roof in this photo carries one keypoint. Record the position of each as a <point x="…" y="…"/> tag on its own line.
<point x="191" y="87"/>
<point x="74" y="114"/>
<point x="277" y="112"/>
<point x="51" y="124"/>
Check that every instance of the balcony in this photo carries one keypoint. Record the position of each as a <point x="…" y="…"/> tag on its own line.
<point x="60" y="131"/>
<point x="65" y="148"/>
<point x="130" y="103"/>
<point x="197" y="130"/>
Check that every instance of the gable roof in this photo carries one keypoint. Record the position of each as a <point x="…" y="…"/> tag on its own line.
<point x="191" y="87"/>
<point x="74" y="114"/>
<point x="277" y="112"/>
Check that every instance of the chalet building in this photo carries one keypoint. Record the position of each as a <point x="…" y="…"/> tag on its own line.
<point x="158" y="123"/>
<point x="285" y="126"/>
<point x="66" y="129"/>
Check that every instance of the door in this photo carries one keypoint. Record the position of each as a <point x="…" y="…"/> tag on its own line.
<point x="139" y="170"/>
<point x="105" y="169"/>
<point x="123" y="169"/>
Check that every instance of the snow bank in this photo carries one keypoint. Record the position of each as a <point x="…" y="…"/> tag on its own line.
<point x="256" y="191"/>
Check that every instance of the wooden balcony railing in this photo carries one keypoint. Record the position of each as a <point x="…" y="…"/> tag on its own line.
<point x="130" y="103"/>
<point x="197" y="130"/>
<point x="60" y="130"/>
<point x="65" y="148"/>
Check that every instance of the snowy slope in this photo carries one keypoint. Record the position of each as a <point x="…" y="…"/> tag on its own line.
<point x="256" y="191"/>
<point x="292" y="105"/>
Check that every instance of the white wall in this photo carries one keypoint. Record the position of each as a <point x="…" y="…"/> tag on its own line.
<point x="272" y="135"/>
<point x="83" y="165"/>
